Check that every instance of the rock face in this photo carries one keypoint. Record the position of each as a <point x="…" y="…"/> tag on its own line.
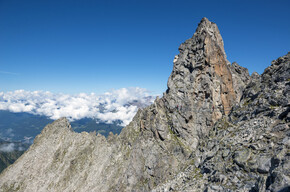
<point x="241" y="78"/>
<point x="202" y="84"/>
<point x="215" y="129"/>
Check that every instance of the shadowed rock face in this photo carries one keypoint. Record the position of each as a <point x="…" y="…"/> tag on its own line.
<point x="209" y="132"/>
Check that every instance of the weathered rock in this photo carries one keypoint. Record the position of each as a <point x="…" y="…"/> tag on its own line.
<point x="215" y="129"/>
<point x="200" y="85"/>
<point x="253" y="145"/>
<point x="241" y="78"/>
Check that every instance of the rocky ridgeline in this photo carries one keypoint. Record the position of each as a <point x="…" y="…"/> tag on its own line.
<point x="215" y="129"/>
<point x="248" y="150"/>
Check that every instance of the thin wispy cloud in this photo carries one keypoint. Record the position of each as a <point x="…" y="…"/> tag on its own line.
<point x="8" y="73"/>
<point x="121" y="104"/>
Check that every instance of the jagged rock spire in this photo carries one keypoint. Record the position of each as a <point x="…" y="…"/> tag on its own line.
<point x="207" y="27"/>
<point x="201" y="80"/>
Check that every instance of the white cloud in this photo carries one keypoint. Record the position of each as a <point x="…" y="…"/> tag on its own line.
<point x="121" y="104"/>
<point x="7" y="147"/>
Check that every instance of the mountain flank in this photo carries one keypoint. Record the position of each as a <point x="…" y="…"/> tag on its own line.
<point x="216" y="128"/>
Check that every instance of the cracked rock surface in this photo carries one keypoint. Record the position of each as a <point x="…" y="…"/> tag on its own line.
<point x="216" y="128"/>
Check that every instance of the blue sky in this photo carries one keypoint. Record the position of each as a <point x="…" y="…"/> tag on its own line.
<point x="73" y="46"/>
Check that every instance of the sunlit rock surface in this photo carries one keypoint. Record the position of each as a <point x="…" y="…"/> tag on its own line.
<point x="215" y="129"/>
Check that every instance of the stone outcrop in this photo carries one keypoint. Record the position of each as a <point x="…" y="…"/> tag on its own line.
<point x="215" y="129"/>
<point x="249" y="149"/>
<point x="241" y="78"/>
<point x="202" y="84"/>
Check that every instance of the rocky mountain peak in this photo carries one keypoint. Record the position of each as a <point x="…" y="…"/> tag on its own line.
<point x="210" y="30"/>
<point x="215" y="129"/>
<point x="58" y="127"/>
<point x="203" y="57"/>
<point x="202" y="81"/>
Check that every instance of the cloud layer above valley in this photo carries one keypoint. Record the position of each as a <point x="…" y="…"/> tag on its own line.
<point x="9" y="147"/>
<point x="121" y="104"/>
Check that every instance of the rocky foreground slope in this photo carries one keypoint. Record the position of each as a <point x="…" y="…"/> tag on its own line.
<point x="215" y="129"/>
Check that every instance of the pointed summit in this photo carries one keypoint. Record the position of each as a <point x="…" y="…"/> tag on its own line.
<point x="210" y="30"/>
<point x="202" y="81"/>
<point x="207" y="26"/>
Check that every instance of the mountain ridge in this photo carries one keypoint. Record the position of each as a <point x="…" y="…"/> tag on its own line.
<point x="192" y="139"/>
